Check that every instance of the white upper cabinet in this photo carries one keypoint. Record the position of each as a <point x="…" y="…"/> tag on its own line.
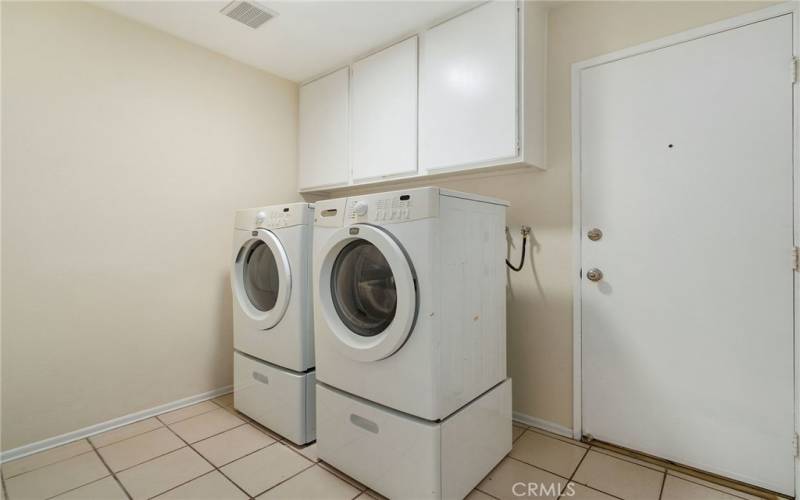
<point x="323" y="132"/>
<point x="471" y="96"/>
<point x="383" y="93"/>
<point x="468" y="89"/>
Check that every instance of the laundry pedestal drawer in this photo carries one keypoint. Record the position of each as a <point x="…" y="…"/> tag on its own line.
<point x="401" y="456"/>
<point x="279" y="399"/>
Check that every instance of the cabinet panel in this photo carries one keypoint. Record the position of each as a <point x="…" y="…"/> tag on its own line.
<point x="323" y="135"/>
<point x="468" y="88"/>
<point x="384" y="113"/>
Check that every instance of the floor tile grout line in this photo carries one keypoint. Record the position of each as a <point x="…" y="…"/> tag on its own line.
<point x="95" y="448"/>
<point x="667" y="468"/>
<point x="243" y="456"/>
<point x="51" y="463"/>
<point x="79" y="487"/>
<point x="88" y="439"/>
<point x="572" y="477"/>
<point x="211" y="464"/>
<point x="209" y="437"/>
<point x="487" y="494"/>
<point x="365" y="487"/>
<point x="595" y="489"/>
<point x="126" y="439"/>
<point x="575" y="471"/>
<point x="298" y="451"/>
<point x="113" y="474"/>
<point x="663" y="482"/>
<point x="218" y="407"/>
<point x="715" y="487"/>
<point x="288" y="478"/>
<point x="187" y="482"/>
<point x="126" y="469"/>
<point x="625" y="458"/>
<point x="256" y="425"/>
<point x="557" y="437"/>
<point x="161" y="424"/>
<point x="536" y="467"/>
<point x="580" y="462"/>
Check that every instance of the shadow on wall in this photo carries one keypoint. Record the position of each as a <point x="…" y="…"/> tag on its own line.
<point x="533" y="247"/>
<point x="224" y="340"/>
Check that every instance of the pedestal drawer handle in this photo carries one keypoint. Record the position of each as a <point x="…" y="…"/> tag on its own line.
<point x="260" y="377"/>
<point x="367" y="425"/>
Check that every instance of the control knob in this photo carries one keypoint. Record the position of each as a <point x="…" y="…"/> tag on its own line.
<point x="360" y="208"/>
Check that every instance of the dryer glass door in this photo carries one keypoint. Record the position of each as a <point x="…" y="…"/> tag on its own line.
<point x="367" y="292"/>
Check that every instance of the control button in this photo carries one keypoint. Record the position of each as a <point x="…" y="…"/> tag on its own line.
<point x="360" y="208"/>
<point x="404" y="213"/>
<point x="379" y="214"/>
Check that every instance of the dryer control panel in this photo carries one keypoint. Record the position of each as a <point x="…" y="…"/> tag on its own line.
<point x="392" y="207"/>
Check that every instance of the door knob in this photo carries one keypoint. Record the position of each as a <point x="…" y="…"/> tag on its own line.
<point x="594" y="274"/>
<point x="594" y="234"/>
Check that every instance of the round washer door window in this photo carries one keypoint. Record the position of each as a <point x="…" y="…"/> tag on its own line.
<point x="367" y="292"/>
<point x="363" y="289"/>
<point x="261" y="280"/>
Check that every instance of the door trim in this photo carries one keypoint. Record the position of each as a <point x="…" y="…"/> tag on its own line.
<point x="693" y="34"/>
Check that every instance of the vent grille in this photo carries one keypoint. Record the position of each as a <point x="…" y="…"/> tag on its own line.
<point x="248" y="13"/>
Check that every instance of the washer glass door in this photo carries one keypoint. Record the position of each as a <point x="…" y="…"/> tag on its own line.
<point x="368" y="292"/>
<point x="262" y="279"/>
<point x="363" y="288"/>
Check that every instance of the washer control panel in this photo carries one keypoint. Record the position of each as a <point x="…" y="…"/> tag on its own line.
<point x="396" y="206"/>
<point x="275" y="217"/>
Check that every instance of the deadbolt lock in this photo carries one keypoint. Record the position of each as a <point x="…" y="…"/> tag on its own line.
<point x="594" y="274"/>
<point x="594" y="234"/>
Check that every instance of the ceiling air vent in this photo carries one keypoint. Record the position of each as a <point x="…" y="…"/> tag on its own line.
<point x="248" y="13"/>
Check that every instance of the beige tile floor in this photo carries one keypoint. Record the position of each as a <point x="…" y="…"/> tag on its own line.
<point x="210" y="451"/>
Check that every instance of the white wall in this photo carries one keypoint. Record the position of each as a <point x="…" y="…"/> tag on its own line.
<point x="125" y="153"/>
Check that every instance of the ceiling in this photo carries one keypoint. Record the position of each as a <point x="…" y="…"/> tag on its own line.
<point x="306" y="39"/>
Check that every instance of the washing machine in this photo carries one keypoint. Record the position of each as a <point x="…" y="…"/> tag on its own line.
<point x="273" y="329"/>
<point x="410" y="338"/>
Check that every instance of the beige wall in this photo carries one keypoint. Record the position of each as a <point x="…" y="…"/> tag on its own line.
<point x="540" y="297"/>
<point x="126" y="152"/>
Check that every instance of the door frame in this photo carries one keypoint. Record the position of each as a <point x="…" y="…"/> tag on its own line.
<point x="685" y="36"/>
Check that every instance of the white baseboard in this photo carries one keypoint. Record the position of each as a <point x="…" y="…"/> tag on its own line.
<point x="108" y="425"/>
<point x="545" y="425"/>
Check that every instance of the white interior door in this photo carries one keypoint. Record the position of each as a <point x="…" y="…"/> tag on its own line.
<point x="686" y="168"/>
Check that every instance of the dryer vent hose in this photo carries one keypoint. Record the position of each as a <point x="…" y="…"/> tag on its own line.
<point x="524" y="231"/>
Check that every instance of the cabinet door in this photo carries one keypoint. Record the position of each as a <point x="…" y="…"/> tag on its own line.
<point x="468" y="88"/>
<point x="384" y="113"/>
<point x="323" y="133"/>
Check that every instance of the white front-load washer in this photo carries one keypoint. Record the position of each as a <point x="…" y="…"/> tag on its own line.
<point x="410" y="338"/>
<point x="273" y="319"/>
